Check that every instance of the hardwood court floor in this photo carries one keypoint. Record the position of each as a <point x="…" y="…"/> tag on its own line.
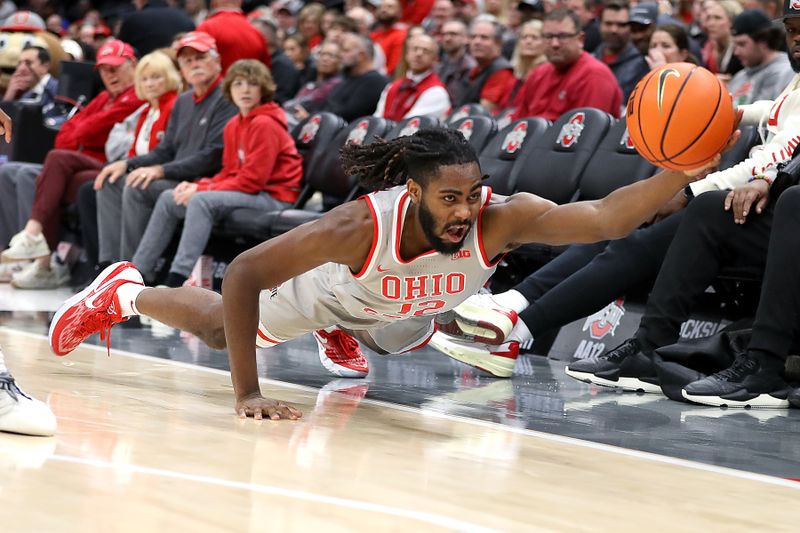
<point x="146" y="445"/>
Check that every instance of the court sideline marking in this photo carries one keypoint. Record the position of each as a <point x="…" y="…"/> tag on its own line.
<point x="608" y="448"/>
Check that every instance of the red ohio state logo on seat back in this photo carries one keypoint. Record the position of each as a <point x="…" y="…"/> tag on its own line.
<point x="795" y="4"/>
<point x="461" y="113"/>
<point x="515" y="138"/>
<point x="310" y="129"/>
<point x="411" y="128"/>
<point x="571" y="131"/>
<point x="359" y="133"/>
<point x="466" y="128"/>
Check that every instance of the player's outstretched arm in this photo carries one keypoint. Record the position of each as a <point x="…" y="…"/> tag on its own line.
<point x="342" y="236"/>
<point x="525" y="218"/>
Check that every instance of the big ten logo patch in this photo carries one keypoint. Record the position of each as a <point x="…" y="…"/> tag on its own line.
<point x="626" y="141"/>
<point x="515" y="138"/>
<point x="358" y="134"/>
<point x="310" y="129"/>
<point x="466" y="128"/>
<point x="410" y="128"/>
<point x="605" y="321"/>
<point x="461" y="254"/>
<point x="571" y="131"/>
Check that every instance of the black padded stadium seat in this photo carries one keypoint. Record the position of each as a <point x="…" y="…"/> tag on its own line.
<point x="614" y="164"/>
<point x="741" y="149"/>
<point x="329" y="179"/>
<point x="551" y="167"/>
<point x="410" y="126"/>
<point x="478" y="131"/>
<point x="78" y="81"/>
<point x="313" y="138"/>
<point x="469" y="110"/>
<point x="499" y="157"/>
<point x="505" y="117"/>
<point x="32" y="139"/>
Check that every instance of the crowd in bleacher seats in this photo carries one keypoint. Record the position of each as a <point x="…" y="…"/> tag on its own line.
<point x="534" y="85"/>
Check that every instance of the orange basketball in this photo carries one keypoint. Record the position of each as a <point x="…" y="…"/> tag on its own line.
<point x="679" y="116"/>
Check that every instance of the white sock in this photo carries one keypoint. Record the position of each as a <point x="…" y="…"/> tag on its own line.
<point x="127" y="294"/>
<point x="520" y="333"/>
<point x="2" y="362"/>
<point x="513" y="300"/>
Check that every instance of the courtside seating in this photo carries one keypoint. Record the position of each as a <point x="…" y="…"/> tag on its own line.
<point x="32" y="139"/>
<point x="741" y="149"/>
<point x="552" y="166"/>
<point x="313" y="137"/>
<point x="505" y="117"/>
<point x="469" y="110"/>
<point x="504" y="151"/>
<point x="614" y="164"/>
<point x="410" y="126"/>
<point x="330" y="180"/>
<point x="478" y="131"/>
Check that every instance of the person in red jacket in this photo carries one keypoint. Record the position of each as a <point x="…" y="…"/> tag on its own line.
<point x="79" y="145"/>
<point x="571" y="79"/>
<point x="390" y="34"/>
<point x="261" y="169"/>
<point x="236" y="38"/>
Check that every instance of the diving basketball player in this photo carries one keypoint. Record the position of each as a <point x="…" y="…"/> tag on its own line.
<point x="375" y="270"/>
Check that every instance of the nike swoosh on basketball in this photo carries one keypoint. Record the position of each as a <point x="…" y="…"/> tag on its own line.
<point x="382" y="269"/>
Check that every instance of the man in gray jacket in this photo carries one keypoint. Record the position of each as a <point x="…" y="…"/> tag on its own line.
<point x="191" y="149"/>
<point x="767" y="71"/>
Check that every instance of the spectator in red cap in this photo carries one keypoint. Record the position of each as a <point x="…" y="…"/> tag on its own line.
<point x="191" y="149"/>
<point x="82" y="137"/>
<point x="236" y="38"/>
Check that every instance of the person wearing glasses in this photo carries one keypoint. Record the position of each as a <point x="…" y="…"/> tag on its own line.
<point x="572" y="78"/>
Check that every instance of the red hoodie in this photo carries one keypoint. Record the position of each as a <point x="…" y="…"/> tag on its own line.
<point x="258" y="155"/>
<point x="88" y="131"/>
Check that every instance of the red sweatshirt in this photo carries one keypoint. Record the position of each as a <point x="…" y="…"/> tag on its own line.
<point x="549" y="92"/>
<point x="391" y="42"/>
<point x="258" y="155"/>
<point x="88" y="131"/>
<point x="236" y="37"/>
<point x="165" y="104"/>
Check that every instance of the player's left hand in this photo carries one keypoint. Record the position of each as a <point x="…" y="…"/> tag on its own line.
<point x="5" y="125"/>
<point x="742" y="198"/>
<point x="142" y="177"/>
<point x="258" y="407"/>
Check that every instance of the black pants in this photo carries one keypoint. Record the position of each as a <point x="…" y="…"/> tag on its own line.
<point x="87" y="210"/>
<point x="587" y="277"/>
<point x="778" y="316"/>
<point x="707" y="240"/>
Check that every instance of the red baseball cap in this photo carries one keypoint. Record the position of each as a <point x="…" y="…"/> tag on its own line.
<point x="114" y="52"/>
<point x="197" y="40"/>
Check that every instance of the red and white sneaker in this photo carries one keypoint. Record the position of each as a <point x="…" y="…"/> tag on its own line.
<point x="94" y="309"/>
<point x="340" y="354"/>
<point x="478" y="319"/>
<point x="499" y="360"/>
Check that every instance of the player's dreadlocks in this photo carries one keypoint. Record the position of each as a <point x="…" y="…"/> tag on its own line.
<point x="384" y="164"/>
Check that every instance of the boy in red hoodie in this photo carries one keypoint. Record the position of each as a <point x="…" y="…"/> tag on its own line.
<point x="261" y="169"/>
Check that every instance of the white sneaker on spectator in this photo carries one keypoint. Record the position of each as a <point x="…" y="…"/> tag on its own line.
<point x="20" y="413"/>
<point x="24" y="246"/>
<point x="37" y="277"/>
<point x="7" y="270"/>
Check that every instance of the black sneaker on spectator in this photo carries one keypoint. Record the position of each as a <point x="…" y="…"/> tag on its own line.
<point x="625" y="367"/>
<point x="751" y="381"/>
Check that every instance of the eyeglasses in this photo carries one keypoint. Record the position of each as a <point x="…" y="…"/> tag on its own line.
<point x="329" y="54"/>
<point x="558" y="36"/>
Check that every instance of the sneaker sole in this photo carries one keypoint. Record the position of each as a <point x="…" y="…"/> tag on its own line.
<point x="499" y="369"/>
<point x="10" y="259"/>
<point x="474" y="327"/>
<point x="339" y="370"/>
<point x="78" y="297"/>
<point x="762" y="401"/>
<point x="625" y="384"/>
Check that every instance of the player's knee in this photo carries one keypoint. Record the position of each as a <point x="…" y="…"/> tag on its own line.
<point x="216" y="339"/>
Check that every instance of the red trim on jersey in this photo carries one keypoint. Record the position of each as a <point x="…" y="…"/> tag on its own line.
<point x="485" y="260"/>
<point x="399" y="233"/>
<point x="264" y="336"/>
<point x="375" y="237"/>
<point x="423" y="343"/>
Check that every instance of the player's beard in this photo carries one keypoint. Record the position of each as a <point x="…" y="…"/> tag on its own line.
<point x="795" y="63"/>
<point x="428" y="223"/>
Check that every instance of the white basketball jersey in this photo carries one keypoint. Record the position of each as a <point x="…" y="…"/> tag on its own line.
<point x="391" y="287"/>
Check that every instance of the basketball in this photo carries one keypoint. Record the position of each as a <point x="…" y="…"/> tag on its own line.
<point x="680" y="116"/>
